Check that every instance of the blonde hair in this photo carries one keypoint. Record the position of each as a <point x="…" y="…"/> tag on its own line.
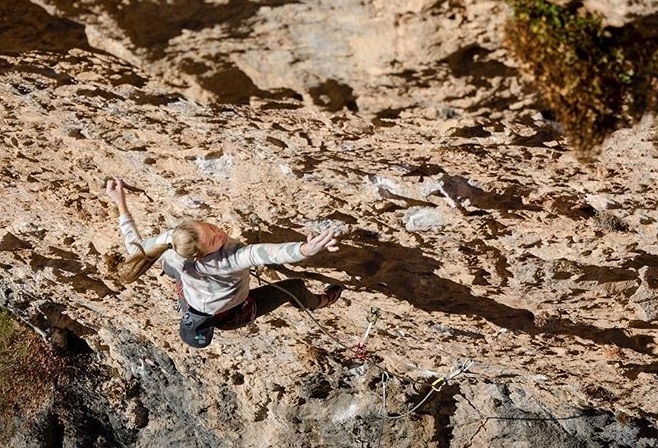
<point x="184" y="241"/>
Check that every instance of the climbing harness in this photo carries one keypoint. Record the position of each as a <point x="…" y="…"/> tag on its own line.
<point x="360" y="349"/>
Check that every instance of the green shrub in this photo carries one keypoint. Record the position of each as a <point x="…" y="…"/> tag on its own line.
<point x="10" y="351"/>
<point x="593" y="79"/>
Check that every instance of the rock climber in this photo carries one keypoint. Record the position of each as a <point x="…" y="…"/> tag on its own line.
<point x="212" y="271"/>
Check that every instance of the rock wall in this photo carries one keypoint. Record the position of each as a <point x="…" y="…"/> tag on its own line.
<point x="465" y="219"/>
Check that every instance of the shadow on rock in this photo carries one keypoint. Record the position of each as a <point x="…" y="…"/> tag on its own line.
<point x="471" y="61"/>
<point x="407" y="274"/>
<point x="168" y="20"/>
<point x="28" y="27"/>
<point x="459" y="189"/>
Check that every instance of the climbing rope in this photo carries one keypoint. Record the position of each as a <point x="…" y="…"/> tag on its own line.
<point x="366" y="358"/>
<point x="382" y="409"/>
<point x="436" y="386"/>
<point x="360" y="349"/>
<point x="306" y="310"/>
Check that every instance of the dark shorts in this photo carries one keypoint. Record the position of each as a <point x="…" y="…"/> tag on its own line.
<point x="197" y="328"/>
<point x="236" y="317"/>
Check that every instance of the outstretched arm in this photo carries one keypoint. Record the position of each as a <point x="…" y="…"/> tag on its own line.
<point x="237" y="257"/>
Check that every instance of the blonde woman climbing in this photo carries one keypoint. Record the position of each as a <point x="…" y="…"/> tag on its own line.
<point x="212" y="271"/>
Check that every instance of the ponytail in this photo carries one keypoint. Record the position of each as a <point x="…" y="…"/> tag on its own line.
<point x="131" y="269"/>
<point x="185" y="242"/>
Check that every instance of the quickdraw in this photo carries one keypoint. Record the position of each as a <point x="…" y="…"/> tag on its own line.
<point x="441" y="381"/>
<point x="434" y="387"/>
<point x="255" y="222"/>
<point x="360" y="348"/>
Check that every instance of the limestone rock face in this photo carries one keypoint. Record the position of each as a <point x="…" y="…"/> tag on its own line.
<point x="378" y="58"/>
<point x="464" y="218"/>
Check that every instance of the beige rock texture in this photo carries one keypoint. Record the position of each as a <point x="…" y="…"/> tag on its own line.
<point x="465" y="218"/>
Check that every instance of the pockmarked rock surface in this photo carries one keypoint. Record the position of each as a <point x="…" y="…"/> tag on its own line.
<point x="464" y="217"/>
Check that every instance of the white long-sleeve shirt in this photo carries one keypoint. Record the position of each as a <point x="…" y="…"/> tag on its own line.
<point x="219" y="281"/>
